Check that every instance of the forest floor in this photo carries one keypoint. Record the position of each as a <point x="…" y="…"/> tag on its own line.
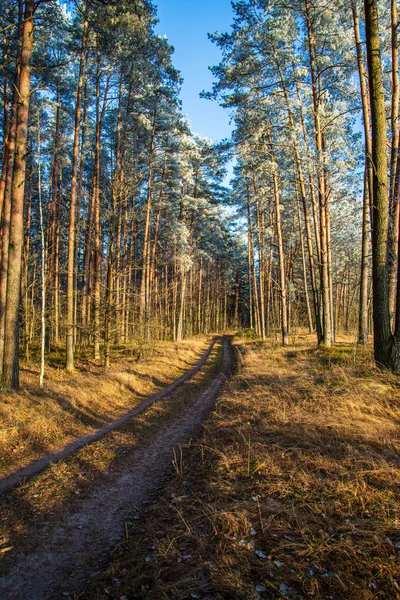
<point x="293" y="490"/>
<point x="35" y="422"/>
<point x="57" y="529"/>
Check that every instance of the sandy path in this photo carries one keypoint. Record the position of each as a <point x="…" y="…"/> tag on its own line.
<point x="38" y="466"/>
<point x="72" y="551"/>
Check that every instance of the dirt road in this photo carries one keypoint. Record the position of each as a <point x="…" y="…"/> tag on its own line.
<point x="71" y="550"/>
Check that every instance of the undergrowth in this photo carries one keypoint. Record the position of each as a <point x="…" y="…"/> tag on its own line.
<point x="293" y="490"/>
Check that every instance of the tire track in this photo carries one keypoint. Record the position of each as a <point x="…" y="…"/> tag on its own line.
<point x="71" y="551"/>
<point x="26" y="473"/>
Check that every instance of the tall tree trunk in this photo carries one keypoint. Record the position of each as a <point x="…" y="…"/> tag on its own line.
<point x="363" y="306"/>
<point x="53" y="245"/>
<point x="145" y="281"/>
<point x="381" y="314"/>
<point x="72" y="210"/>
<point x="5" y="224"/>
<point x="261" y="262"/>
<point x="42" y="262"/>
<point x="25" y="276"/>
<point x="393" y="196"/>
<point x="96" y="207"/>
<point x="322" y="187"/>
<point x="282" y="274"/>
<point x="109" y="307"/>
<point x="6" y="125"/>
<point x="80" y="298"/>
<point x="303" y="261"/>
<point x="310" y="176"/>
<point x="179" y="329"/>
<point x="303" y="194"/>
<point x="10" y="376"/>
<point x="368" y="186"/>
<point x="116" y="221"/>
<point x="253" y="268"/>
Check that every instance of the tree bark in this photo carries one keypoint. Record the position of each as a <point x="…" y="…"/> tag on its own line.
<point x="282" y="274"/>
<point x="96" y="207"/>
<point x="363" y="305"/>
<point x="322" y="189"/>
<point x="368" y="187"/>
<point x="72" y="210"/>
<point x="6" y="125"/>
<point x="10" y="375"/>
<point x="381" y="314"/>
<point x="145" y="281"/>
<point x="5" y="224"/>
<point x="303" y="194"/>
<point x="303" y="261"/>
<point x="393" y="195"/>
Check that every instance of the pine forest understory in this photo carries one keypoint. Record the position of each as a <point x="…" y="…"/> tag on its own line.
<point x="117" y="224"/>
<point x="199" y="334"/>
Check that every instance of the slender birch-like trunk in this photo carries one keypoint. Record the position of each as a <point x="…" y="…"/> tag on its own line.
<point x="368" y="186"/>
<point x="281" y="252"/>
<point x="72" y="209"/>
<point x="42" y="262"/>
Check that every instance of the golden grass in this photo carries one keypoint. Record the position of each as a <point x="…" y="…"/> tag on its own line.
<point x="293" y="491"/>
<point x="49" y="495"/>
<point x="34" y="422"/>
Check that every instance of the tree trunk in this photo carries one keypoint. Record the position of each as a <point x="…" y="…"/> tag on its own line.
<point x="393" y="196"/>
<point x="42" y="263"/>
<point x="368" y="187"/>
<point x="53" y="236"/>
<point x="363" y="307"/>
<point x="261" y="265"/>
<point x="6" y="126"/>
<point x="5" y="224"/>
<point x="10" y="376"/>
<point x="72" y="210"/>
<point x="322" y="189"/>
<point x="305" y="208"/>
<point x="303" y="261"/>
<point x="145" y="282"/>
<point x="282" y="274"/>
<point x="381" y="315"/>
<point x="96" y="207"/>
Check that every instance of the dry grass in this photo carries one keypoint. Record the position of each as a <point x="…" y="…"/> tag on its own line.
<point x="293" y="490"/>
<point x="46" y="498"/>
<point x="34" y="422"/>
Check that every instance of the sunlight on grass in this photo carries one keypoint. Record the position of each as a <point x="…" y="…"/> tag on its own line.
<point x="293" y="491"/>
<point x="51" y="493"/>
<point x="34" y="422"/>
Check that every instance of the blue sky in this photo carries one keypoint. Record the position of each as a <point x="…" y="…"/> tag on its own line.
<point x="186" y="24"/>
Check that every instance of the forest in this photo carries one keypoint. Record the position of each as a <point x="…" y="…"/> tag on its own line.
<point x="133" y="247"/>
<point x="117" y="224"/>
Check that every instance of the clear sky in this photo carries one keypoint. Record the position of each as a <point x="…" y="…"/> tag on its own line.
<point x="186" y="24"/>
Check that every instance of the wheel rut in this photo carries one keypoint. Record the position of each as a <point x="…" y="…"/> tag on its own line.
<point x="26" y="473"/>
<point x="71" y="551"/>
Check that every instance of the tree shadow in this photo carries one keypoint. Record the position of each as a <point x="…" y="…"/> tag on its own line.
<point x="146" y="377"/>
<point x="85" y="415"/>
<point x="133" y="435"/>
<point x="27" y="370"/>
<point x="324" y="439"/>
<point x="228" y="490"/>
